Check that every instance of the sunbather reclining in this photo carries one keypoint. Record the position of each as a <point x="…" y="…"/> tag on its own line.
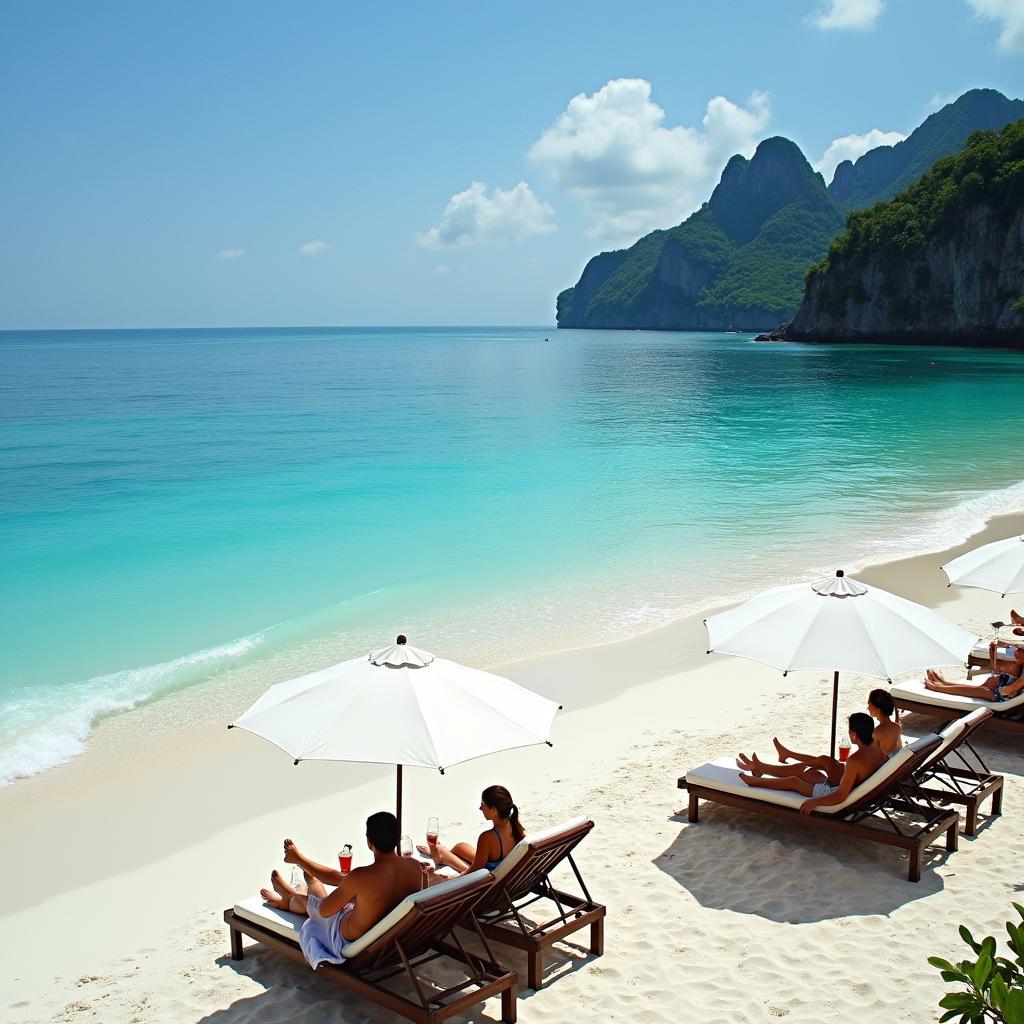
<point x="362" y="897"/>
<point x="997" y="687"/>
<point x="825" y="788"/>
<point x="492" y="846"/>
<point x="888" y="736"/>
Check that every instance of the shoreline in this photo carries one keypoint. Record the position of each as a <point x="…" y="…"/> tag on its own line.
<point x="194" y="720"/>
<point x="202" y="811"/>
<point x="237" y="685"/>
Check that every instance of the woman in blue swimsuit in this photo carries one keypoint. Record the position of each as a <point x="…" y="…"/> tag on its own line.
<point x="492" y="846"/>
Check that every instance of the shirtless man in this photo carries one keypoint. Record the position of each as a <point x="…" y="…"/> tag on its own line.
<point x="888" y="737"/>
<point x="997" y="687"/>
<point x="863" y="762"/>
<point x="362" y="897"/>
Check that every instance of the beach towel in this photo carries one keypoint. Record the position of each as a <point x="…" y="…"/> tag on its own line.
<point x="320" y="937"/>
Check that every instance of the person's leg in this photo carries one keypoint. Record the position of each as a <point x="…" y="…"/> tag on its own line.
<point x="284" y="897"/>
<point x="464" y="852"/>
<point x="822" y="762"/>
<point x="755" y="766"/>
<point x="794" y="783"/>
<point x="986" y="691"/>
<point x="453" y="858"/>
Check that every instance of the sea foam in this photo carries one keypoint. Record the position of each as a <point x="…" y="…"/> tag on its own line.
<point x="51" y="726"/>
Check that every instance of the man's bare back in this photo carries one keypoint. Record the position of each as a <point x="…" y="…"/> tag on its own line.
<point x="864" y="762"/>
<point x="375" y="890"/>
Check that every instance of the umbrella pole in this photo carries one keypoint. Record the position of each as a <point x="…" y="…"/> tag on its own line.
<point x="398" y="798"/>
<point x="835" y="709"/>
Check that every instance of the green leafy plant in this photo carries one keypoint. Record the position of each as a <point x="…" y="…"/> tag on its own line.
<point x="992" y="986"/>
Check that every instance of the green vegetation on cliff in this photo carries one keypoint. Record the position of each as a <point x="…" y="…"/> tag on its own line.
<point x="886" y="170"/>
<point x="737" y="261"/>
<point x="942" y="261"/>
<point x="989" y="170"/>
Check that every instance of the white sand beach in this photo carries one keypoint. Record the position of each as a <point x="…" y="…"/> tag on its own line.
<point x="119" y="866"/>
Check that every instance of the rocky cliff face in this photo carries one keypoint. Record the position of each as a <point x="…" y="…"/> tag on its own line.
<point x="960" y="289"/>
<point x="735" y="264"/>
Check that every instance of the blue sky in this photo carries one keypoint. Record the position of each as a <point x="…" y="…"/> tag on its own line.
<point x="249" y="163"/>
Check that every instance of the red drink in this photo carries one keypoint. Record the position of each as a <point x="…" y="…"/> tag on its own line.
<point x="433" y="830"/>
<point x="345" y="859"/>
<point x="844" y="751"/>
<point x="431" y="839"/>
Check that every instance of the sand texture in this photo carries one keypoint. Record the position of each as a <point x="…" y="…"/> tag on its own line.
<point x="120" y="865"/>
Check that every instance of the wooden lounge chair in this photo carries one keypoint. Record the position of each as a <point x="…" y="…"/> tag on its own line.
<point x="1007" y="716"/>
<point x="522" y="879"/>
<point x="885" y="808"/>
<point x="420" y="929"/>
<point x="956" y="773"/>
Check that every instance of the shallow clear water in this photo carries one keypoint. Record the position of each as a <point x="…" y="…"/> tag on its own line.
<point x="174" y="504"/>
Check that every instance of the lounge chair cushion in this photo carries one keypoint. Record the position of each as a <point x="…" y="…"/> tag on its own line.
<point x="287" y="925"/>
<point x="723" y="775"/>
<point x="518" y="852"/>
<point x="916" y="691"/>
<point x="953" y="733"/>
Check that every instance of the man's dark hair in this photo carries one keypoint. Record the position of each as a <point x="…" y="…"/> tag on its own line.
<point x="382" y="831"/>
<point x="880" y="699"/>
<point x="863" y="727"/>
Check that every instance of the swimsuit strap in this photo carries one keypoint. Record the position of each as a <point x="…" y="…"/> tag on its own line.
<point x="501" y="845"/>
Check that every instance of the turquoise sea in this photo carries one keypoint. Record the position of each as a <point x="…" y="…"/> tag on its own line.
<point x="177" y="506"/>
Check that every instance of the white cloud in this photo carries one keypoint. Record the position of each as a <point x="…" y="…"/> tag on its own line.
<point x="441" y="269"/>
<point x="841" y="14"/>
<point x="613" y="153"/>
<point x="1011" y="14"/>
<point x="230" y="254"/>
<point x="474" y="218"/>
<point x="939" y="100"/>
<point x="850" y="147"/>
<point x="312" y="248"/>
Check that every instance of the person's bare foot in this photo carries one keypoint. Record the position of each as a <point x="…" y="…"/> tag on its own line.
<point x="931" y="676"/>
<point x="751" y="764"/>
<point x="1016" y="618"/>
<point x="783" y="752"/>
<point x="433" y="852"/>
<point x="281" y="887"/>
<point x="291" y="852"/>
<point x="273" y="899"/>
<point x="929" y="683"/>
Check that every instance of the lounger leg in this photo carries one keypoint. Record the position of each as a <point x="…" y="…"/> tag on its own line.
<point x="508" y="1005"/>
<point x="971" y="818"/>
<point x="997" y="802"/>
<point x="236" y="944"/>
<point x="693" y="807"/>
<point x="533" y="970"/>
<point x="953" y="837"/>
<point x="914" y="869"/>
<point x="597" y="937"/>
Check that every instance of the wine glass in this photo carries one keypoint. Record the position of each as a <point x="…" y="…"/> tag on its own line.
<point x="405" y="846"/>
<point x="433" y="831"/>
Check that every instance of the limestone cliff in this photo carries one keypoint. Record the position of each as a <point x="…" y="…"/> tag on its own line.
<point x="943" y="262"/>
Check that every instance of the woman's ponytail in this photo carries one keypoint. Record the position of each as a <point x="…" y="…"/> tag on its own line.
<point x="517" y="830"/>
<point x="500" y="799"/>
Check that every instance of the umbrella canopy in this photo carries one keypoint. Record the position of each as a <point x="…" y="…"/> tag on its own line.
<point x="998" y="566"/>
<point x="841" y="624"/>
<point x="399" y="706"/>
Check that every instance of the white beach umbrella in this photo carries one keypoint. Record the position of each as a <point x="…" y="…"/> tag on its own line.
<point x="998" y="566"/>
<point x="399" y="706"/>
<point x="841" y="624"/>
